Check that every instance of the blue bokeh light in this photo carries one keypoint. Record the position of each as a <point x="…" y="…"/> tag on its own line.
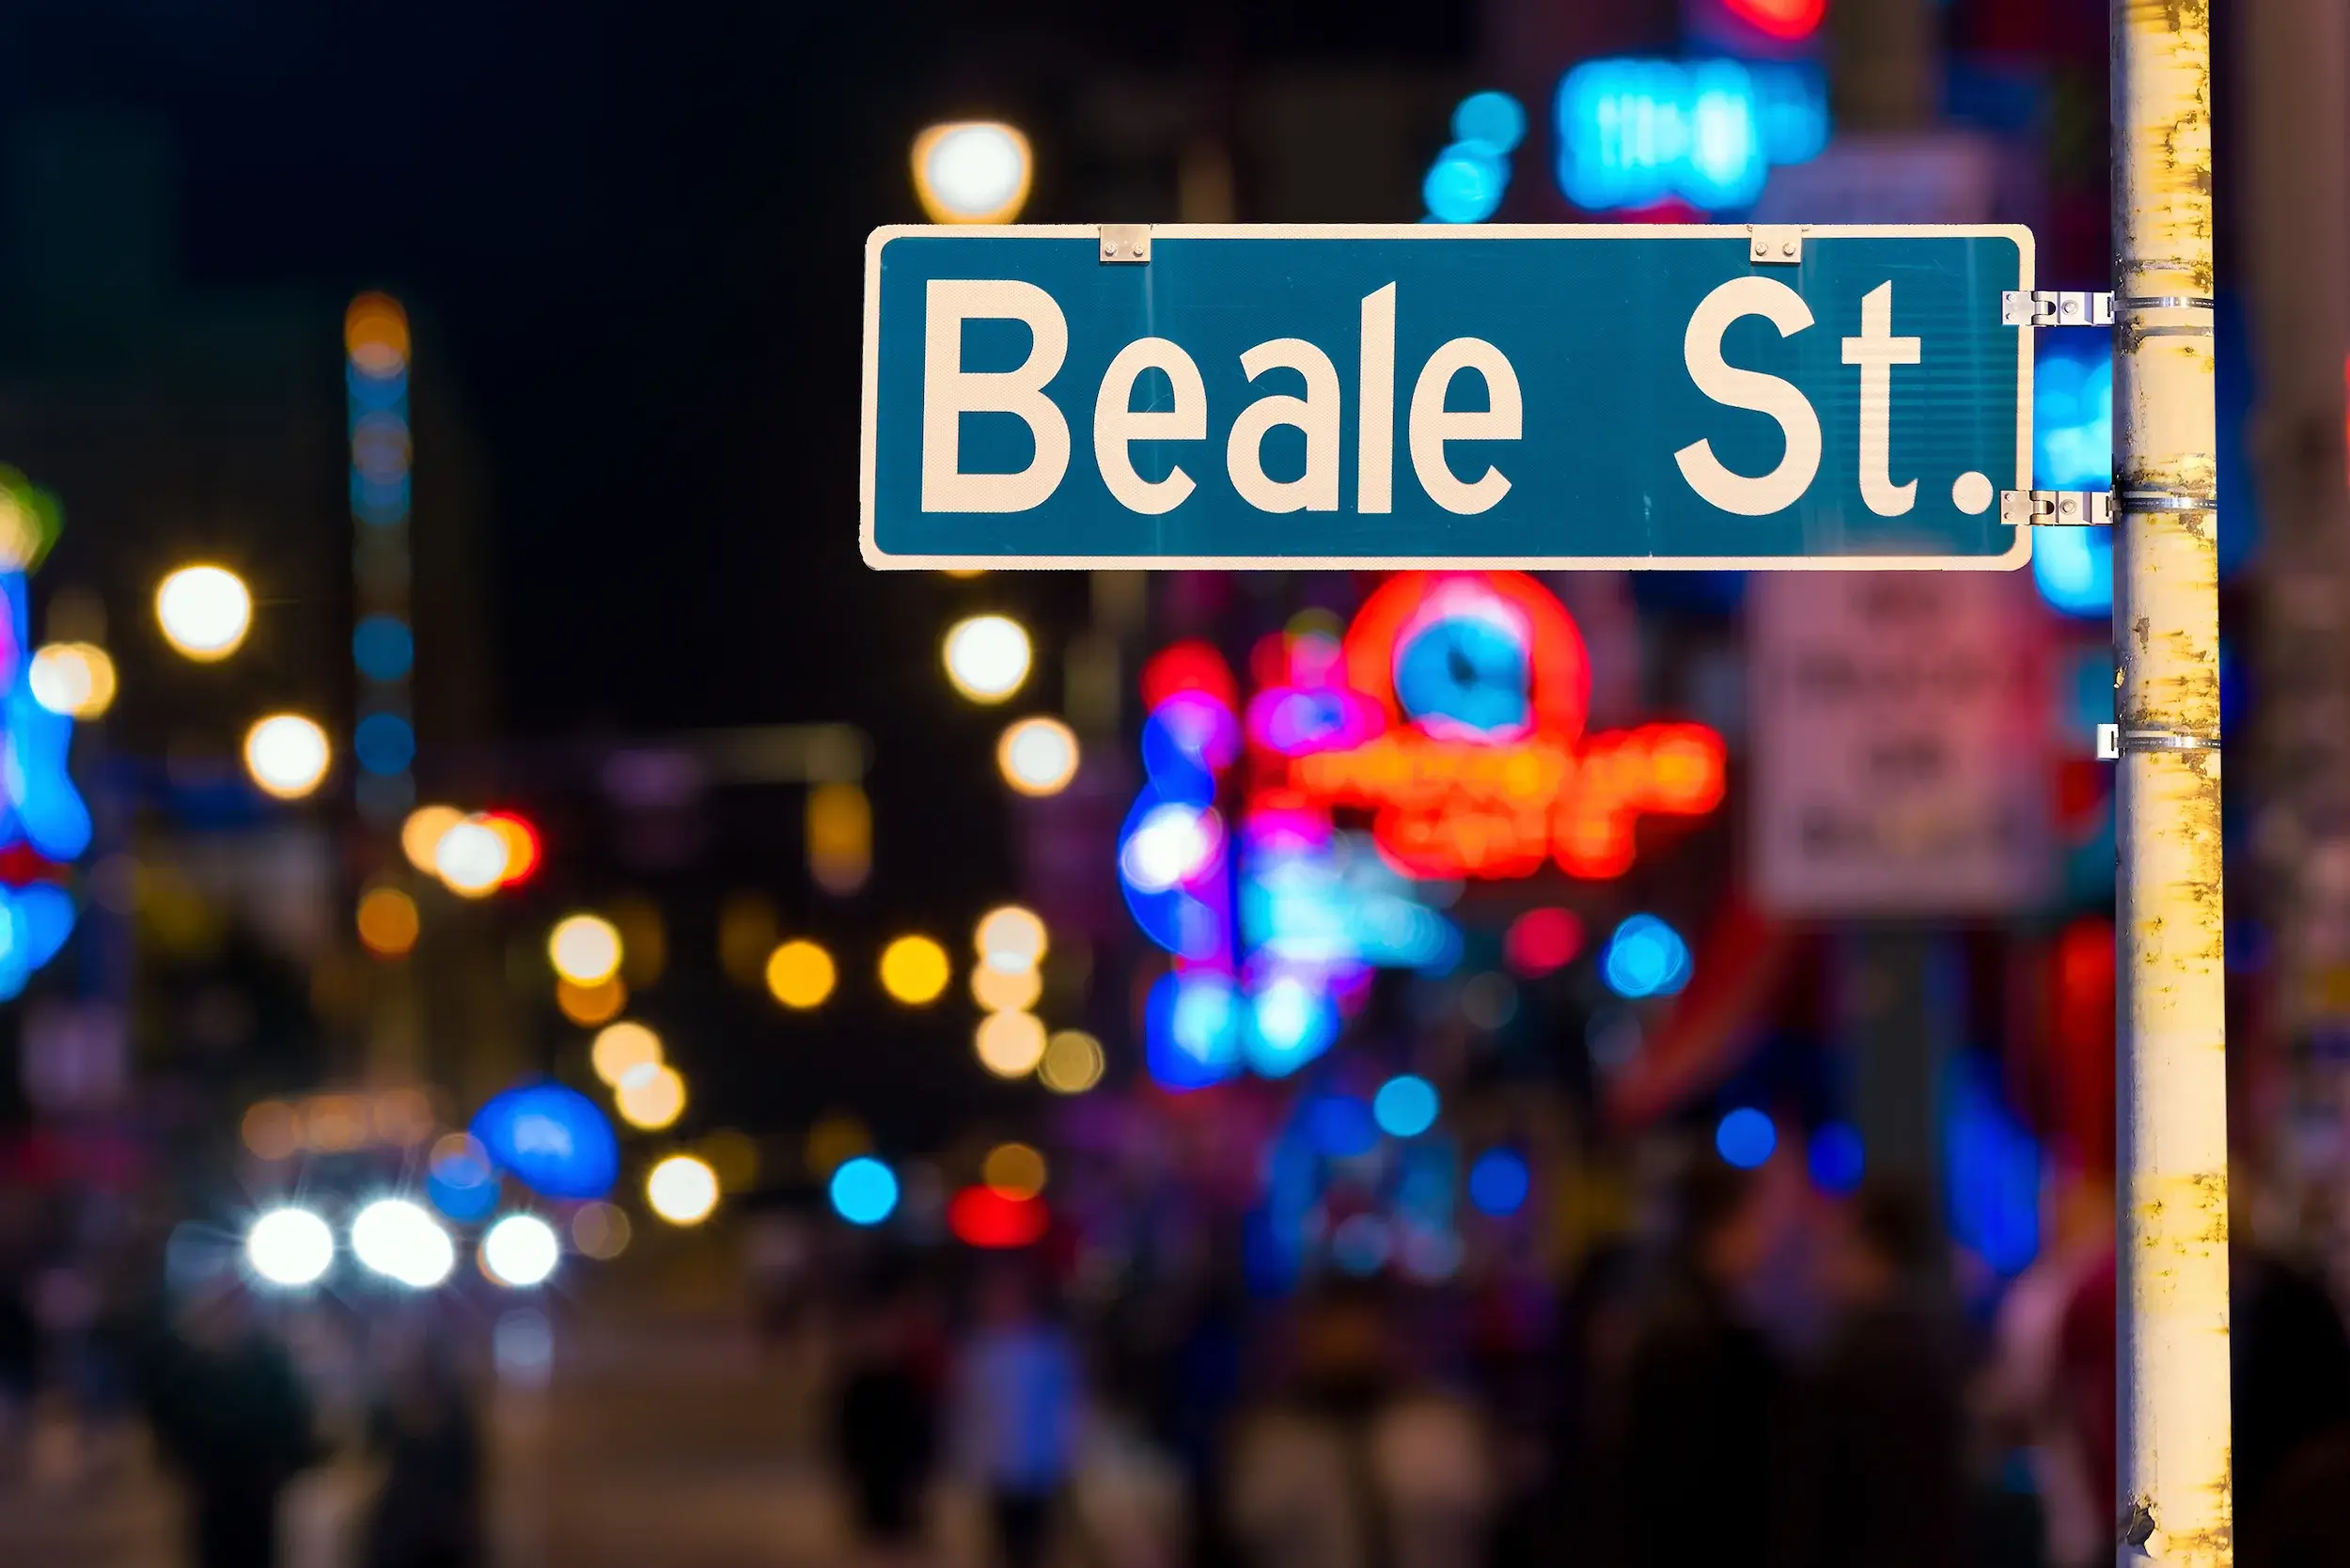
<point x="1499" y="1183"/>
<point x="1190" y="1030"/>
<point x="1291" y="1021"/>
<point x="1341" y="1126"/>
<point x="1405" y="1105"/>
<point x="1495" y="118"/>
<point x="863" y="1190"/>
<point x="1465" y="183"/>
<point x="384" y="743"/>
<point x="383" y="648"/>
<point x="2073" y="450"/>
<point x="1837" y="1157"/>
<point x="554" y="1140"/>
<point x="1746" y="1137"/>
<point x="1645" y="958"/>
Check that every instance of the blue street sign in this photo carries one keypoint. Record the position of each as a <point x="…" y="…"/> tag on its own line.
<point x="1412" y="396"/>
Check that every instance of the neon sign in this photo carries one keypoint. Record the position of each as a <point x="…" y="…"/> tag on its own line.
<point x="1633" y="132"/>
<point x="1465" y="737"/>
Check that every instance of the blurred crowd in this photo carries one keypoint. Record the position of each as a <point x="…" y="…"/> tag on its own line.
<point x="1760" y="1373"/>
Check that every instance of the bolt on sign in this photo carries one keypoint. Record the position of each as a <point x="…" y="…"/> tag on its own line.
<point x="1432" y="395"/>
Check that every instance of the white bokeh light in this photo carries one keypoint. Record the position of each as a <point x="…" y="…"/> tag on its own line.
<point x="205" y="611"/>
<point x="1171" y="844"/>
<point x="987" y="657"/>
<point x="291" y="1248"/>
<point x="973" y="172"/>
<point x="400" y="1241"/>
<point x="521" y="1251"/>
<point x="1038" y="756"/>
<point x="287" y="755"/>
<point x="472" y="857"/>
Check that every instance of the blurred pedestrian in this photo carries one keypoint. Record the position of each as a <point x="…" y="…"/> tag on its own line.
<point x="885" y="1427"/>
<point x="1877" y="1470"/>
<point x="425" y="1430"/>
<point x="1354" y="1469"/>
<point x="230" y="1415"/>
<point x="1017" y="1396"/>
<point x="1703" y="1394"/>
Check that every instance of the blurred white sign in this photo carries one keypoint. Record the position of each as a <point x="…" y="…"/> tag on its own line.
<point x="1899" y="743"/>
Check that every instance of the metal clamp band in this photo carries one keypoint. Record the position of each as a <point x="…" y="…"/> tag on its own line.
<point x="2166" y="301"/>
<point x="2113" y="741"/>
<point x="2140" y="502"/>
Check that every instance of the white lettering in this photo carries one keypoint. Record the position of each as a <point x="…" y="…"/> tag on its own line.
<point x="1702" y="350"/>
<point x="1374" y="454"/>
<point x="1876" y="350"/>
<point x="1117" y="421"/>
<point x="1433" y="424"/>
<point x="950" y="391"/>
<point x="1316" y="414"/>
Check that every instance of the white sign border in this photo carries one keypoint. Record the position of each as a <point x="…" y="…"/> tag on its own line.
<point x="880" y="561"/>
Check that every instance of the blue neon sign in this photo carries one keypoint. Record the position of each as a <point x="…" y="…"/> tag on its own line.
<point x="1633" y="132"/>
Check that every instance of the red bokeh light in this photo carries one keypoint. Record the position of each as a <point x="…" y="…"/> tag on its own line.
<point x="1188" y="667"/>
<point x="521" y="845"/>
<point x="1541" y="942"/>
<point x="982" y="1216"/>
<point x="1779" y="18"/>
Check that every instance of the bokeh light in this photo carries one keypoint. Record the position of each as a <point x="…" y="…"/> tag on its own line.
<point x="863" y="1190"/>
<point x="205" y="612"/>
<point x="915" y="970"/>
<point x="585" y="949"/>
<point x="1499" y="1182"/>
<point x="650" y="1096"/>
<point x="420" y="836"/>
<point x="834" y="1139"/>
<point x="402" y="1241"/>
<point x="1010" y="938"/>
<point x="590" y="1005"/>
<point x="600" y="1231"/>
<point x="521" y="845"/>
<point x="521" y="1251"/>
<point x="800" y="974"/>
<point x="388" y="923"/>
<point x="1646" y="958"/>
<point x="1011" y="1045"/>
<point x="375" y="334"/>
<point x="987" y="657"/>
<point x="1746" y="1137"/>
<point x="290" y="1247"/>
<point x="384" y="743"/>
<point x="971" y="171"/>
<point x="733" y="1158"/>
<point x="1072" y="1062"/>
<point x="1837" y="1157"/>
<point x="1405" y="1105"/>
<point x="471" y="858"/>
<point x="621" y="1049"/>
<point x="1542" y="942"/>
<point x="1014" y="1169"/>
<point x="287" y="755"/>
<point x="681" y="1190"/>
<point x="1006" y="990"/>
<point x="272" y="1130"/>
<point x="75" y="679"/>
<point x="981" y="1216"/>
<point x="1038" y="756"/>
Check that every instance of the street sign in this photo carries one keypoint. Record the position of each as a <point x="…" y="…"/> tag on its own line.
<point x="1428" y="395"/>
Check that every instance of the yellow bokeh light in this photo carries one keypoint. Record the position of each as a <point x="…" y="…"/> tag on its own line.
<point x="375" y="334"/>
<point x="800" y="974"/>
<point x="1072" y="1062"/>
<point x="1010" y="938"/>
<point x="590" y="1005"/>
<point x="287" y="755"/>
<point x="650" y="1096"/>
<point x="1006" y="990"/>
<point x="1038" y="756"/>
<point x="273" y="1130"/>
<point x="387" y="921"/>
<point x="205" y="612"/>
<point x="420" y="835"/>
<point x="746" y="935"/>
<point x="913" y="970"/>
<point x="600" y="1231"/>
<point x="75" y="679"/>
<point x="1014" y="1169"/>
<point x="839" y="837"/>
<point x="833" y="1141"/>
<point x="1010" y="1043"/>
<point x="681" y="1190"/>
<point x="733" y="1158"/>
<point x="644" y="941"/>
<point x="585" y="949"/>
<point x="620" y="1049"/>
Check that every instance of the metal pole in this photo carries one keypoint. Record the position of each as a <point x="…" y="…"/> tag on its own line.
<point x="2174" y="1244"/>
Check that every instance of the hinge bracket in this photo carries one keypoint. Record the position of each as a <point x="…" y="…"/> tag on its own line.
<point x="2057" y="508"/>
<point x="2055" y="307"/>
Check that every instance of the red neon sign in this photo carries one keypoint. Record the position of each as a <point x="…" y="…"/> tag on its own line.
<point x="1501" y="779"/>
<point x="1780" y="18"/>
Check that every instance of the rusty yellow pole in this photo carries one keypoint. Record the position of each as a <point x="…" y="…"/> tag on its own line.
<point x="2174" y="1506"/>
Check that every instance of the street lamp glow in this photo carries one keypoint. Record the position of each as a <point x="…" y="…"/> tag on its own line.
<point x="472" y="858"/>
<point x="681" y="1190"/>
<point x="913" y="970"/>
<point x="290" y="1247"/>
<point x="621" y="1050"/>
<point x="521" y="1251"/>
<point x="205" y="612"/>
<point x="397" y="1240"/>
<point x="287" y="755"/>
<point x="1038" y="756"/>
<point x="585" y="949"/>
<point x="987" y="657"/>
<point x="75" y="679"/>
<point x="971" y="171"/>
<point x="650" y="1096"/>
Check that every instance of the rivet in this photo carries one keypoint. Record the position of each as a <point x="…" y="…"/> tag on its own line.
<point x="1787" y="249"/>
